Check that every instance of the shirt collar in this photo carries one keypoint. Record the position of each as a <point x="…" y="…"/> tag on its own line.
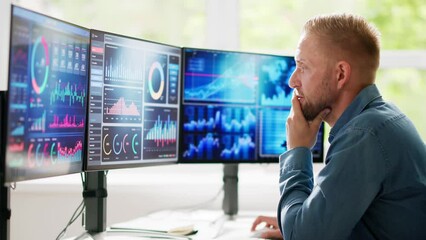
<point x="366" y="96"/>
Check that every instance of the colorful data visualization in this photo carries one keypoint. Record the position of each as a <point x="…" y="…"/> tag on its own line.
<point x="47" y="98"/>
<point x="234" y="106"/>
<point x="133" y="102"/>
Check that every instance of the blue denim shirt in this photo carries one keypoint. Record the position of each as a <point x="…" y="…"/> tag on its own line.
<point x="373" y="185"/>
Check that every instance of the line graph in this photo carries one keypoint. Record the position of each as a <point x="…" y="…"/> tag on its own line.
<point x="219" y="119"/>
<point x="120" y="108"/>
<point x="70" y="152"/>
<point x="122" y="105"/>
<point x="70" y="94"/>
<point x="202" y="147"/>
<point x="219" y="147"/>
<point x="238" y="147"/>
<point x="220" y="77"/>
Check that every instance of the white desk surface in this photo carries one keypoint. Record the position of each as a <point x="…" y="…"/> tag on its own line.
<point x="210" y="224"/>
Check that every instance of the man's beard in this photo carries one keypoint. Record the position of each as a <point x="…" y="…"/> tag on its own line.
<point x="310" y="109"/>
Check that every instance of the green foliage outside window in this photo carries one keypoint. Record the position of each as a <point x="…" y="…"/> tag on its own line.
<point x="275" y="24"/>
<point x="265" y="26"/>
<point x="401" y="22"/>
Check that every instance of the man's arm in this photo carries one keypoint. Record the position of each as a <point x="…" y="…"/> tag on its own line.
<point x="296" y="177"/>
<point x="346" y="187"/>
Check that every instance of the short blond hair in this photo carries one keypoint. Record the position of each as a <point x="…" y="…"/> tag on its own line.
<point x="349" y="33"/>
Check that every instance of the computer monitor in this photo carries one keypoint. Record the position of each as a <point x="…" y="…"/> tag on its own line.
<point x="133" y="102"/>
<point x="235" y="106"/>
<point x="47" y="92"/>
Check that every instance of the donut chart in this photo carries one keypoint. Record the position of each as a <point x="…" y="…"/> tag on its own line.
<point x="121" y="143"/>
<point x="45" y="62"/>
<point x="156" y="94"/>
<point x="156" y="78"/>
<point x="53" y="154"/>
<point x="106" y="145"/>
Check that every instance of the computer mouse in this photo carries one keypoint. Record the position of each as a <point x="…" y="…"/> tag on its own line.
<point x="258" y="233"/>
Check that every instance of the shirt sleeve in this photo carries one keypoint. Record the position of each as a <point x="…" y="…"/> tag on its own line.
<point x="346" y="187"/>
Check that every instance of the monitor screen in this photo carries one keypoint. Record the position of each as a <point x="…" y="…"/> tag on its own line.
<point x="235" y="106"/>
<point x="133" y="102"/>
<point x="46" y="100"/>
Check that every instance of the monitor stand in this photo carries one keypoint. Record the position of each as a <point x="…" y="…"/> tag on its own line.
<point x="95" y="199"/>
<point x="230" y="181"/>
<point x="4" y="190"/>
<point x="5" y="211"/>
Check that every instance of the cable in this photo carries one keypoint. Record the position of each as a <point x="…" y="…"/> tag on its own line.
<point x="83" y="180"/>
<point x="74" y="217"/>
<point x="80" y="209"/>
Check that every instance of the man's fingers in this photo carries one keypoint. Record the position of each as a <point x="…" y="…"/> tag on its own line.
<point x="256" y="222"/>
<point x="295" y="104"/>
<point x="272" y="234"/>
<point x="319" y="118"/>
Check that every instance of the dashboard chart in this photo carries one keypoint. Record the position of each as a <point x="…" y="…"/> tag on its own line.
<point x="122" y="105"/>
<point x="160" y="132"/>
<point x="47" y="97"/>
<point x="133" y="102"/>
<point x="234" y="106"/>
<point x="220" y="77"/>
<point x="123" y="65"/>
<point x="156" y="75"/>
<point x="272" y="131"/>
<point x="224" y="132"/>
<point x="121" y="143"/>
<point x="274" y="73"/>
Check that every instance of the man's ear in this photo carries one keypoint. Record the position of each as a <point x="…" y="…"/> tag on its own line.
<point x="343" y="73"/>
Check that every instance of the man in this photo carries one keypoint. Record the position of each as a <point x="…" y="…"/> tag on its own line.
<point x="373" y="185"/>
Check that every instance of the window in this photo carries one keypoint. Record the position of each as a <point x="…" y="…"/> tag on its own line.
<point x="270" y="26"/>
<point x="406" y="87"/>
<point x="274" y="26"/>
<point x="172" y="22"/>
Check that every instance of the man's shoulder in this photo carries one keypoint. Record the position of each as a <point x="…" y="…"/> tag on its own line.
<point x="376" y="117"/>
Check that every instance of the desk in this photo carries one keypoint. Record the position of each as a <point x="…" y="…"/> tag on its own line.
<point x="211" y="224"/>
<point x="137" y="192"/>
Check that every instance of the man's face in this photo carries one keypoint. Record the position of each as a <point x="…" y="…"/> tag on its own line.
<point x="312" y="77"/>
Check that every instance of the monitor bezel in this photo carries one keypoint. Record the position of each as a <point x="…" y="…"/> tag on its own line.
<point x="258" y="159"/>
<point x="3" y="135"/>
<point x="72" y="167"/>
<point x="91" y="168"/>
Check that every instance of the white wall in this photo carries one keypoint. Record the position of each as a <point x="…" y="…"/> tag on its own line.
<point x="4" y="42"/>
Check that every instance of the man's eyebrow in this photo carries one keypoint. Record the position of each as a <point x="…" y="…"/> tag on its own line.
<point x="299" y="61"/>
